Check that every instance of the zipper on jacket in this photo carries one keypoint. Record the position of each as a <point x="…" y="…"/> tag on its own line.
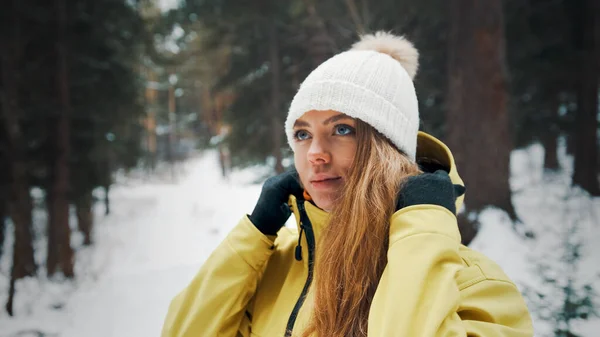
<point x="306" y="226"/>
<point x="298" y="252"/>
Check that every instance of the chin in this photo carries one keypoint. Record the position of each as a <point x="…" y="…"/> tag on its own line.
<point x="324" y="202"/>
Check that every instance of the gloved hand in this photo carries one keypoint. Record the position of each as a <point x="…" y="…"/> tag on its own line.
<point x="271" y="211"/>
<point x="430" y="188"/>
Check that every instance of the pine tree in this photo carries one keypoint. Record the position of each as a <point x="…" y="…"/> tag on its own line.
<point x="60" y="253"/>
<point x="70" y="104"/>
<point x="541" y="65"/>
<point x="586" y="18"/>
<point x="14" y="147"/>
<point x="106" y="134"/>
<point x="262" y="65"/>
<point x="4" y="184"/>
<point x="477" y="121"/>
<point x="554" y="80"/>
<point x="19" y="205"/>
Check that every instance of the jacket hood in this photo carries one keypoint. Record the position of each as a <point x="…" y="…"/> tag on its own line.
<point x="430" y="148"/>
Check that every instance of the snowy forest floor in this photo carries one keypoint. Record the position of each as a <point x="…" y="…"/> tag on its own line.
<point x="159" y="232"/>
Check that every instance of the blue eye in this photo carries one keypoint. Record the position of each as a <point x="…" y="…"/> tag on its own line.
<point x="344" y="130"/>
<point x="301" y="135"/>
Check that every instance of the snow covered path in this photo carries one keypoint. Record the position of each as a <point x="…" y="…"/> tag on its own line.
<point x="163" y="235"/>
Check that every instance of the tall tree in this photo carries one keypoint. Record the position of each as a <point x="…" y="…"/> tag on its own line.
<point x="104" y="133"/>
<point x="4" y="181"/>
<point x="4" y="185"/>
<point x="541" y="65"/>
<point x="319" y="43"/>
<point x="275" y="104"/>
<point x="478" y="126"/>
<point x="60" y="253"/>
<point x="57" y="58"/>
<point x="550" y="137"/>
<point x="19" y="204"/>
<point x="266" y="57"/>
<point x="587" y="30"/>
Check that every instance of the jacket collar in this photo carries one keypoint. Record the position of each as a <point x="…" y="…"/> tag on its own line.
<point x="318" y="217"/>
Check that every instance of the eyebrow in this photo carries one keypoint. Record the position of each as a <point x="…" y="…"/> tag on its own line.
<point x="325" y="122"/>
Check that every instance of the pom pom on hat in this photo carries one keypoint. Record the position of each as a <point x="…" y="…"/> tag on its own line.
<point x="399" y="48"/>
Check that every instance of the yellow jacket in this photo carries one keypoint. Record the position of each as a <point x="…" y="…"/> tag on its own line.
<point x="254" y="285"/>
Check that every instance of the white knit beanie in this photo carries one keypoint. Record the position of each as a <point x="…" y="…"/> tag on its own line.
<point x="372" y="82"/>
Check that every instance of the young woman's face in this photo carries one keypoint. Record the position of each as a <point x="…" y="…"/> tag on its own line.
<point x="325" y="145"/>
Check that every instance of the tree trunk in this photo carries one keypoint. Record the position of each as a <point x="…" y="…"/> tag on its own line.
<point x="550" y="136"/>
<point x="468" y="228"/>
<point x="23" y="262"/>
<point x="276" y="121"/>
<point x="19" y="200"/>
<point x="2" y="227"/>
<point x="550" y="143"/>
<point x="3" y="215"/>
<point x="4" y="181"/>
<point x="20" y="208"/>
<point x="3" y="206"/>
<point x="571" y="140"/>
<point x="355" y="16"/>
<point x="172" y="130"/>
<point x="106" y="199"/>
<point x="60" y="253"/>
<point x="586" y="118"/>
<point x="477" y="119"/>
<point x="11" y="294"/>
<point x="320" y="46"/>
<point x="85" y="217"/>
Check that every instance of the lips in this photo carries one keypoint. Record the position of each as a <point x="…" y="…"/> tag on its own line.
<point x="323" y="178"/>
<point x="322" y="182"/>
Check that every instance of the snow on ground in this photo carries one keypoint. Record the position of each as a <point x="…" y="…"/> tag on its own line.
<point x="146" y="250"/>
<point x="548" y="205"/>
<point x="160" y="232"/>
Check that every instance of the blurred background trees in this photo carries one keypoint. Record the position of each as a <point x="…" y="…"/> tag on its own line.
<point x="89" y="89"/>
<point x="493" y="77"/>
<point x="71" y="109"/>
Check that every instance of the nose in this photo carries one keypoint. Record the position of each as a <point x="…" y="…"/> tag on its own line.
<point x="318" y="153"/>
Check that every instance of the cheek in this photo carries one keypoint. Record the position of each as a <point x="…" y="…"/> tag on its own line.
<point x="301" y="164"/>
<point x="345" y="157"/>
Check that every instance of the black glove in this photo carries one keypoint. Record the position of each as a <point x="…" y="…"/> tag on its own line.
<point x="271" y="211"/>
<point x="430" y="188"/>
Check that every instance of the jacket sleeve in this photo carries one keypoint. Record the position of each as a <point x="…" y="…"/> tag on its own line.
<point x="418" y="294"/>
<point x="214" y="303"/>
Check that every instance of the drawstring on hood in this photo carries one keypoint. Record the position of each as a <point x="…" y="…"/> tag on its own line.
<point x="298" y="252"/>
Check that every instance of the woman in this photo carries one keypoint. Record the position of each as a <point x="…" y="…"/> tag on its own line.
<point x="377" y="251"/>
